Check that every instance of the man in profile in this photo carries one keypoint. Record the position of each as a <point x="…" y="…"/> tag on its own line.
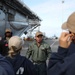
<point x="63" y="61"/>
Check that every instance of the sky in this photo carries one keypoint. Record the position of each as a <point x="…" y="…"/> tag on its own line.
<point x="52" y="13"/>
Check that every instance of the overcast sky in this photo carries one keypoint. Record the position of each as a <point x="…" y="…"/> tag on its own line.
<point x="52" y="12"/>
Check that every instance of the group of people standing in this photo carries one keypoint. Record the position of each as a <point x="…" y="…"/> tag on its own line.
<point x="61" y="62"/>
<point x="39" y="51"/>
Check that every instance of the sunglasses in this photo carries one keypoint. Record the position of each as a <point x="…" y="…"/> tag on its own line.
<point x="73" y="35"/>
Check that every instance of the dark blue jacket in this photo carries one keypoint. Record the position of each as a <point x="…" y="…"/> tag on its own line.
<point x="4" y="47"/>
<point x="22" y="66"/>
<point x="5" y="67"/>
<point x="62" y="62"/>
<point x="2" y="71"/>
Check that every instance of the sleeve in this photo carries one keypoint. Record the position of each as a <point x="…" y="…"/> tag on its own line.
<point x="3" y="71"/>
<point x="57" y="63"/>
<point x="71" y="49"/>
<point x="57" y="56"/>
<point x="7" y="66"/>
<point x="48" y="51"/>
<point x="29" y="52"/>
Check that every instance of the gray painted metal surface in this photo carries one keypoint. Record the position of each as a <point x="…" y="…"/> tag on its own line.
<point x="12" y="16"/>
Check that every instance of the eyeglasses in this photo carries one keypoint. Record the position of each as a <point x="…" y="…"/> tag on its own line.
<point x="71" y="33"/>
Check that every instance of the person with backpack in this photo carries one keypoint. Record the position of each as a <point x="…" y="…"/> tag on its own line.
<point x="21" y="65"/>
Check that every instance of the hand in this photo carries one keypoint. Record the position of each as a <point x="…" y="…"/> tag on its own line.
<point x="65" y="40"/>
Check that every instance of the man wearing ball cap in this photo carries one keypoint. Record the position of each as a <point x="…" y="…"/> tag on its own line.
<point x="39" y="51"/>
<point x="63" y="61"/>
<point x="4" y="42"/>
